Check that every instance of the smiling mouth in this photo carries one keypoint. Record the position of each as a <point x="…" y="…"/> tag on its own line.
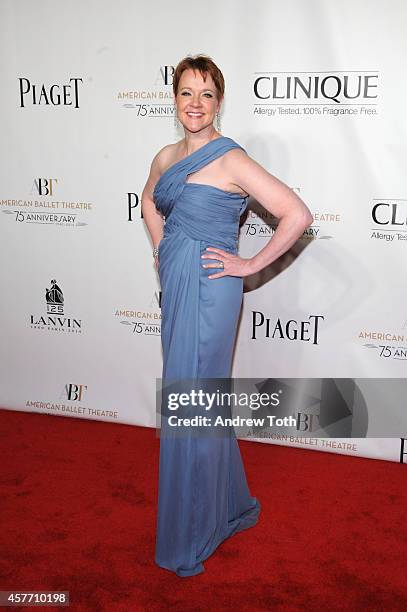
<point x="194" y="115"/>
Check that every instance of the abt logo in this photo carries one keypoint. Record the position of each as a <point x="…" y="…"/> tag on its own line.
<point x="307" y="422"/>
<point x="74" y="393"/>
<point x="165" y="75"/>
<point x="44" y="186"/>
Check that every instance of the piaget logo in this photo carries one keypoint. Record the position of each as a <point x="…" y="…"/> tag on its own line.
<point x="276" y="328"/>
<point x="35" y="94"/>
<point x="133" y="204"/>
<point x="55" y="319"/>
<point x="43" y="207"/>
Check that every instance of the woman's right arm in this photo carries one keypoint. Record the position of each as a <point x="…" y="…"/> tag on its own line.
<point x="152" y="217"/>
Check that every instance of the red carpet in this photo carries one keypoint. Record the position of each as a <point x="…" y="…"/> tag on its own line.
<point x="78" y="504"/>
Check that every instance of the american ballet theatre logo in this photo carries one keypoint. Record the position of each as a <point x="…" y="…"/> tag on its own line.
<point x="316" y="93"/>
<point x="70" y="402"/>
<point x="152" y="98"/>
<point x="389" y="220"/>
<point x="43" y="206"/>
<point x="324" y="408"/>
<point x="43" y="94"/>
<point x="55" y="318"/>
<point x="260" y="223"/>
<point x="386" y="344"/>
<point x="277" y="328"/>
<point x="144" y="321"/>
<point x="74" y="392"/>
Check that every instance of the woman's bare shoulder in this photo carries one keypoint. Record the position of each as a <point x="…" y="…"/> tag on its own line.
<point x="166" y="156"/>
<point x="161" y="161"/>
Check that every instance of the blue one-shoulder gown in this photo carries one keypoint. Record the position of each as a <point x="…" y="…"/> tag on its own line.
<point x="203" y="496"/>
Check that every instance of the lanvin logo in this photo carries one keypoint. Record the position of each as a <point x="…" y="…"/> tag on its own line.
<point x="305" y="331"/>
<point x="337" y="86"/>
<point x="49" y="95"/>
<point x="55" y="298"/>
<point x="55" y="320"/>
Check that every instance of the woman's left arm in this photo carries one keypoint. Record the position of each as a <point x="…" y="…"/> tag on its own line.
<point x="276" y="197"/>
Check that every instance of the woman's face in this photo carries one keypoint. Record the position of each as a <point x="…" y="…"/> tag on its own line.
<point x="196" y="100"/>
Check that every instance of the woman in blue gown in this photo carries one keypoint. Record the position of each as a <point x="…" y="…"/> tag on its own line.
<point x="203" y="495"/>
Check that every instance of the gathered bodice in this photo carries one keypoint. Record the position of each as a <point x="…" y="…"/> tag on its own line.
<point x="203" y="212"/>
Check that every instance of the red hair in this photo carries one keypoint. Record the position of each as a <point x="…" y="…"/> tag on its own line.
<point x="205" y="65"/>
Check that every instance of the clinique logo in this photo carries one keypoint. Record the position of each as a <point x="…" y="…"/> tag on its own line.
<point x="304" y="331"/>
<point x="390" y="213"/>
<point x="338" y="87"/>
<point x="49" y="95"/>
<point x="55" y="319"/>
<point x="390" y="219"/>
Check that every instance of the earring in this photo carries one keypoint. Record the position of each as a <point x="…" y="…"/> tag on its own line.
<point x="218" y="122"/>
<point x="175" y="117"/>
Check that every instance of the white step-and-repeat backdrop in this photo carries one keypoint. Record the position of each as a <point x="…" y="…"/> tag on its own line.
<point x="314" y="92"/>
